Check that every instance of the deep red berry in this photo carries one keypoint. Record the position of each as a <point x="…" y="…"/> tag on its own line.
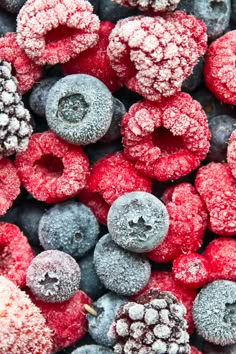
<point x="111" y="177"/>
<point x="221" y="255"/>
<point x="15" y="254"/>
<point x="55" y="31"/>
<point x="188" y="219"/>
<point x="94" y="61"/>
<point x="154" y="55"/>
<point x="51" y="169"/>
<point x="231" y="153"/>
<point x="219" y="68"/>
<point x="195" y="351"/>
<point x="9" y="184"/>
<point x="217" y="188"/>
<point x="166" y="140"/>
<point x="164" y="281"/>
<point x="66" y="319"/>
<point x="191" y="270"/>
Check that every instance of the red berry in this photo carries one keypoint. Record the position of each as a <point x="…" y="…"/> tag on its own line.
<point x="55" y="31"/>
<point x="94" y="61"/>
<point x="219" y="68"/>
<point x="164" y="281"/>
<point x="231" y="153"/>
<point x="66" y="319"/>
<point x="111" y="177"/>
<point x="217" y="188"/>
<point x="166" y="140"/>
<point x="51" y="169"/>
<point x="15" y="254"/>
<point x="191" y="270"/>
<point x="154" y="55"/>
<point x="195" y="351"/>
<point x="221" y="255"/>
<point x="188" y="217"/>
<point x="9" y="185"/>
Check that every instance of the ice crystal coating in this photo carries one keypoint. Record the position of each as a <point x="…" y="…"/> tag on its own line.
<point x="54" y="31"/>
<point x="231" y="152"/>
<point x="12" y="5"/>
<point x="79" y="109"/>
<point x="9" y="185"/>
<point x="53" y="276"/>
<point x="92" y="349"/>
<point x="214" y="312"/>
<point x="154" y="55"/>
<point x="138" y="221"/>
<point x="23" y="327"/>
<point x="152" y="5"/>
<point x="120" y="271"/>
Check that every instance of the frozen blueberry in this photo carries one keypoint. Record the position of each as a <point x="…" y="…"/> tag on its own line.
<point x="210" y="348"/>
<point x="110" y="11"/>
<point x="221" y="128"/>
<point x="138" y="221"/>
<point x="119" y="270"/>
<point x="214" y="312"/>
<point x="113" y="132"/>
<point x="70" y="227"/>
<point x="106" y="308"/>
<point x="233" y="10"/>
<point x="96" y="151"/>
<point x="53" y="276"/>
<point x="195" y="79"/>
<point x="79" y="109"/>
<point x="39" y="94"/>
<point x="7" y="22"/>
<point x="89" y="282"/>
<point x="92" y="349"/>
<point x="127" y="97"/>
<point x="13" y="6"/>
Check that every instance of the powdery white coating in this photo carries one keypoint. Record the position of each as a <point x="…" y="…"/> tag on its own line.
<point x="23" y="327"/>
<point x="138" y="221"/>
<point x="152" y="5"/>
<point x="79" y="109"/>
<point x="54" y="31"/>
<point x="154" y="55"/>
<point x="231" y="153"/>
<point x="70" y="227"/>
<point x="106" y="308"/>
<point x="120" y="271"/>
<point x="53" y="276"/>
<point x="9" y="184"/>
<point x="214" y="312"/>
<point x="92" y="349"/>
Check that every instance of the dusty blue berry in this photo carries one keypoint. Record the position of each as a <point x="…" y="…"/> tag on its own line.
<point x="210" y="348"/>
<point x="195" y="79"/>
<point x="111" y="11"/>
<point x="13" y="6"/>
<point x="97" y="151"/>
<point x="7" y="22"/>
<point x="92" y="349"/>
<point x="113" y="132"/>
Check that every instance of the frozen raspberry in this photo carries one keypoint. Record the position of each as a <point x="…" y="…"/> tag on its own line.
<point x="25" y="70"/>
<point x="23" y="328"/>
<point x="221" y="255"/>
<point x="154" y="324"/>
<point x="9" y="185"/>
<point x="66" y="319"/>
<point x="111" y="177"/>
<point x="188" y="221"/>
<point x="231" y="152"/>
<point x="194" y="350"/>
<point x="15" y="254"/>
<point x="54" y="31"/>
<point x="151" y="5"/>
<point x="166" y="140"/>
<point x="219" y="68"/>
<point x="217" y="188"/>
<point x="94" y="61"/>
<point x="191" y="270"/>
<point x="154" y="55"/>
<point x="51" y="169"/>
<point x="164" y="281"/>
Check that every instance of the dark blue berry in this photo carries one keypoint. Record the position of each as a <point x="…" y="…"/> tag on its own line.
<point x="127" y="97"/>
<point x="70" y="227"/>
<point x="110" y="11"/>
<point x="53" y="276"/>
<point x="210" y="348"/>
<point x="106" y="308"/>
<point x="233" y="10"/>
<point x="221" y="128"/>
<point x="121" y="271"/>
<point x="79" y="109"/>
<point x="39" y="94"/>
<point x="195" y="79"/>
<point x="89" y="281"/>
<point x="7" y="22"/>
<point x="92" y="349"/>
<point x="214" y="312"/>
<point x="97" y="151"/>
<point x="138" y="221"/>
<point x="13" y="6"/>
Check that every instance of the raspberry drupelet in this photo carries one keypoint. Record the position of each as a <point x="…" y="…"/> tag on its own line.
<point x="51" y="169"/>
<point x="54" y="31"/>
<point x="231" y="153"/>
<point x="94" y="61"/>
<point x="217" y="188"/>
<point x="166" y="140"/>
<point x="151" y="5"/>
<point x="154" y="55"/>
<point x="9" y="184"/>
<point x="26" y="71"/>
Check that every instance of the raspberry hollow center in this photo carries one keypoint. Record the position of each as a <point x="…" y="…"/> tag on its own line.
<point x="167" y="142"/>
<point x="50" y="166"/>
<point x="72" y="108"/>
<point x="60" y="34"/>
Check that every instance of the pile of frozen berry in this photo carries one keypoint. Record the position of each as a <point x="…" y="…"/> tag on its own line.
<point x="117" y="177"/>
